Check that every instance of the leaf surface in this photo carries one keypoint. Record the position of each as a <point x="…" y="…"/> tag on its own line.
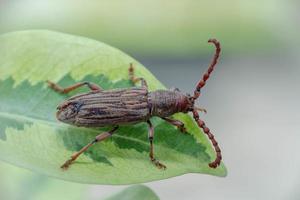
<point x="135" y="192"/>
<point x="31" y="137"/>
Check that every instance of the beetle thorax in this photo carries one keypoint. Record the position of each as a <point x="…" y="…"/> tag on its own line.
<point x="165" y="103"/>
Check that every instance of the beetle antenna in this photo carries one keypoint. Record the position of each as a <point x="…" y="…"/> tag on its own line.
<point x="206" y="130"/>
<point x="210" y="68"/>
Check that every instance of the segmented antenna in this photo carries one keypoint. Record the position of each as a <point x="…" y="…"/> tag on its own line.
<point x="197" y="93"/>
<point x="214" y="61"/>
<point x="206" y="130"/>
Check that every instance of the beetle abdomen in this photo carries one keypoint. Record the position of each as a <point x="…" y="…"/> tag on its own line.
<point x="111" y="107"/>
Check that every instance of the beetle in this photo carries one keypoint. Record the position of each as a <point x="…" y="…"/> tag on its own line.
<point x="115" y="107"/>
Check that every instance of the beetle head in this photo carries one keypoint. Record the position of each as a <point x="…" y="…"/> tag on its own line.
<point x="67" y="111"/>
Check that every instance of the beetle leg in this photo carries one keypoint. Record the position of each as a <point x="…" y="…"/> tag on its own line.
<point x="151" y="155"/>
<point x="177" y="123"/>
<point x="98" y="138"/>
<point x="135" y="79"/>
<point x="66" y="90"/>
<point x="201" y="109"/>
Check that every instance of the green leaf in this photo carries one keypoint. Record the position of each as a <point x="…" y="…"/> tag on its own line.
<point x="32" y="138"/>
<point x="18" y="183"/>
<point x="135" y="192"/>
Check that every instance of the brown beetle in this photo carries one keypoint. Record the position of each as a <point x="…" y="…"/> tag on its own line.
<point x="116" y="107"/>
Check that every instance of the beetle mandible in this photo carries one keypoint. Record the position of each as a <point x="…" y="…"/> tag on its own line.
<point x="116" y="107"/>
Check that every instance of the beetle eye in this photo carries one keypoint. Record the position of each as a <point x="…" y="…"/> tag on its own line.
<point x="62" y="106"/>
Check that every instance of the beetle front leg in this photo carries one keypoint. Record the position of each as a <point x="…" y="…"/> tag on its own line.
<point x="135" y="79"/>
<point x="151" y="155"/>
<point x="201" y="109"/>
<point x="66" y="90"/>
<point x="177" y="123"/>
<point x="98" y="138"/>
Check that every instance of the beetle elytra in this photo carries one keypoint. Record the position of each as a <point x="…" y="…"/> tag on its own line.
<point x="116" y="107"/>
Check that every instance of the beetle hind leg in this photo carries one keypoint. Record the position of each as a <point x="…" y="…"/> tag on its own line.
<point x="151" y="154"/>
<point x="98" y="138"/>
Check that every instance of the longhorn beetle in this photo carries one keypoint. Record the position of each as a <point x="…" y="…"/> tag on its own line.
<point x="116" y="107"/>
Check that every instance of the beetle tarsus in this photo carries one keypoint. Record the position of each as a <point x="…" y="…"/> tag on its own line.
<point x="67" y="164"/>
<point x="182" y="130"/>
<point x="158" y="164"/>
<point x="134" y="79"/>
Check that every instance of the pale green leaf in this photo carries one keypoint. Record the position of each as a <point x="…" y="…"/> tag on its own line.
<point x="135" y="192"/>
<point x="31" y="137"/>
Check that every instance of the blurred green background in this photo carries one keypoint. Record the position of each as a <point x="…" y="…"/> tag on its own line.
<point x="162" y="28"/>
<point x="157" y="32"/>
